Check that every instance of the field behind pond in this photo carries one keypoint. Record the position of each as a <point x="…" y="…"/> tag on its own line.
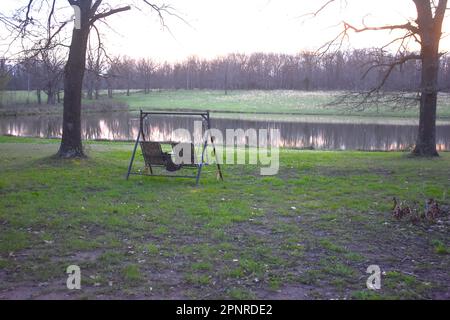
<point x="309" y="232"/>
<point x="283" y="102"/>
<point x="272" y="102"/>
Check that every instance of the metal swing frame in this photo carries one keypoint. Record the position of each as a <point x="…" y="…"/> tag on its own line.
<point x="141" y="138"/>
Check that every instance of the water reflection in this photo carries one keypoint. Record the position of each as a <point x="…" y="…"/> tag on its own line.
<point x="124" y="126"/>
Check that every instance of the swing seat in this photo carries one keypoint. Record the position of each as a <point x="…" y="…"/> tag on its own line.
<point x="154" y="155"/>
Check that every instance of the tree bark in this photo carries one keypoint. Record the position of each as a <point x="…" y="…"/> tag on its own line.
<point x="225" y="84"/>
<point x="71" y="145"/>
<point x="430" y="31"/>
<point x="50" y="95"/>
<point x="426" y="138"/>
<point x="38" y="95"/>
<point x="90" y="94"/>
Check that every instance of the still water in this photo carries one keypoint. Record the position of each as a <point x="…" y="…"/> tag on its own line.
<point x="297" y="134"/>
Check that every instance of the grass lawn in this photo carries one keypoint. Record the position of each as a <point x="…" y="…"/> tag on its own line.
<point x="282" y="102"/>
<point x="260" y="101"/>
<point x="309" y="232"/>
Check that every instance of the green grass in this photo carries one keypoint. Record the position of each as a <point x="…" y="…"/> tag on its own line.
<point x="277" y="103"/>
<point x="240" y="294"/>
<point x="23" y="103"/>
<point x="132" y="273"/>
<point x="331" y="246"/>
<point x="440" y="247"/>
<point x="260" y="101"/>
<point x="20" y="97"/>
<point x="166" y="238"/>
<point x="151" y="248"/>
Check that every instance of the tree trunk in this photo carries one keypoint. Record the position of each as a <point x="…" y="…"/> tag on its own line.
<point x="147" y="86"/>
<point x="38" y="95"/>
<point x="225" y="84"/>
<point x="430" y="35"/>
<point x="90" y="95"/>
<point x="430" y="31"/>
<point x="426" y="139"/>
<point x="97" y="87"/>
<point x="71" y="146"/>
<point x="50" y="96"/>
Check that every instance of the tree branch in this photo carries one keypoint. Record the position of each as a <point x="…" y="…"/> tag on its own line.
<point x="95" y="6"/>
<point x="108" y="13"/>
<point x="407" y="26"/>
<point x="315" y="13"/>
<point x="391" y="67"/>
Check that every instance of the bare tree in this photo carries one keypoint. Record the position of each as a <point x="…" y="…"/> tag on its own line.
<point x="88" y="12"/>
<point x="426" y="30"/>
<point x="226" y="62"/>
<point x="127" y="71"/>
<point x="51" y="74"/>
<point x="96" y="65"/>
<point x="112" y="76"/>
<point x="145" y="69"/>
<point x="340" y="70"/>
<point x="34" y="71"/>
<point x="4" y="78"/>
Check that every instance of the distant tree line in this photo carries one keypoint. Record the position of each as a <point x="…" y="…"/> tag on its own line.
<point x="349" y="70"/>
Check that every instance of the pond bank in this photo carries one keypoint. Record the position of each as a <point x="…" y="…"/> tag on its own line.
<point x="301" y="132"/>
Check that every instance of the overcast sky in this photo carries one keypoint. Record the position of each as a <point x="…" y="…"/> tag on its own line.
<point x="217" y="27"/>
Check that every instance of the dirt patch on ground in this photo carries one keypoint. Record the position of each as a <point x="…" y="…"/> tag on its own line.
<point x="87" y="256"/>
<point x="292" y="292"/>
<point x="42" y="291"/>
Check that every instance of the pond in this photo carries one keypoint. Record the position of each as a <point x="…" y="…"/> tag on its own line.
<point x="294" y="133"/>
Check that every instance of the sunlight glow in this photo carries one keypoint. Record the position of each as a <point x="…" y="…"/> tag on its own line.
<point x="215" y="27"/>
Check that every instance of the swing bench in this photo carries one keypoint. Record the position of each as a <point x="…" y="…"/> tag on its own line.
<point x="154" y="156"/>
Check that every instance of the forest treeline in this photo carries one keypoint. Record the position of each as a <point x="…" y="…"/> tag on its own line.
<point x="354" y="70"/>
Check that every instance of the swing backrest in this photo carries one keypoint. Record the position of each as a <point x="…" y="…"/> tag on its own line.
<point x="153" y="154"/>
